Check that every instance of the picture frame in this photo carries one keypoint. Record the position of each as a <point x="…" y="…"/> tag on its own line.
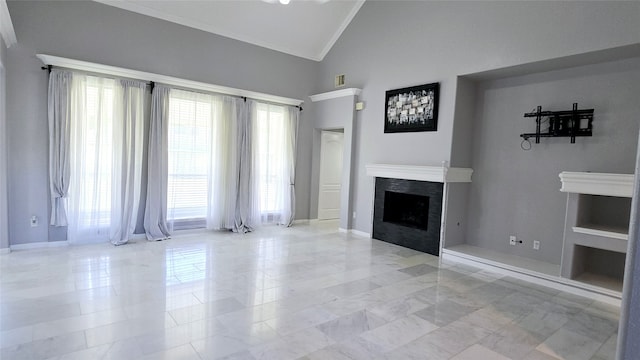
<point x="412" y="109"/>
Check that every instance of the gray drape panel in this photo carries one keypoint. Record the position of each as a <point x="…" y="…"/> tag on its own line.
<point x="155" y="217"/>
<point x="293" y="118"/>
<point x="127" y="183"/>
<point x="243" y="215"/>
<point x="59" y="142"/>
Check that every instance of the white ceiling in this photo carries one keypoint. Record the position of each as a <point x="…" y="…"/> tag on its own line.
<point x="305" y="28"/>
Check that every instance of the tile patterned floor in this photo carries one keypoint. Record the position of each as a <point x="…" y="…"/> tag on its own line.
<point x="306" y="292"/>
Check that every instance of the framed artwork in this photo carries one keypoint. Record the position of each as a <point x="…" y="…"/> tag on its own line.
<point x="412" y="109"/>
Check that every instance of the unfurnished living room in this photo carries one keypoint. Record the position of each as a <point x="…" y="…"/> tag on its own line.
<point x="319" y="179"/>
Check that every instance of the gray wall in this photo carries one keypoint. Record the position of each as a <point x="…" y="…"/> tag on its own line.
<point x="4" y="225"/>
<point x="91" y="31"/>
<point x="516" y="192"/>
<point x="391" y="45"/>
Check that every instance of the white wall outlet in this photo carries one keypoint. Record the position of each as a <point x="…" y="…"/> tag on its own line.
<point x="354" y="214"/>
<point x="512" y="240"/>
<point x="34" y="221"/>
<point x="536" y="245"/>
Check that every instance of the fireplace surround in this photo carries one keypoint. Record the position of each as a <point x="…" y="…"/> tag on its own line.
<point x="408" y="213"/>
<point x="411" y="203"/>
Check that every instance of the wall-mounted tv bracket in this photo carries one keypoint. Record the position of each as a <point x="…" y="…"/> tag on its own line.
<point x="569" y="123"/>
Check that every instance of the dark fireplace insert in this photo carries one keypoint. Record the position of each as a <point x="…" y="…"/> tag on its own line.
<point x="406" y="209"/>
<point x="408" y="213"/>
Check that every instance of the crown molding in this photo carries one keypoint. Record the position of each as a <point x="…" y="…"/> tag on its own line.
<point x="6" y="26"/>
<point x="340" y="30"/>
<point x="162" y="79"/>
<point x="336" y="94"/>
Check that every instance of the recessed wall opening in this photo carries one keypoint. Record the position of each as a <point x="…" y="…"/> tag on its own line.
<point x="408" y="210"/>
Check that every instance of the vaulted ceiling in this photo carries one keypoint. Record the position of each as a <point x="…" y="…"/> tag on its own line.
<point x="304" y="28"/>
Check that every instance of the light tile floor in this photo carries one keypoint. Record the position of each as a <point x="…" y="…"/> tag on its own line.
<point x="306" y="292"/>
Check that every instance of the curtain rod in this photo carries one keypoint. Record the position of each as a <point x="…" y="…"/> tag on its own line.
<point x="57" y="61"/>
<point x="152" y="85"/>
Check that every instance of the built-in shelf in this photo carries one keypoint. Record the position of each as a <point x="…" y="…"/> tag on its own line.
<point x="607" y="282"/>
<point x="596" y="233"/>
<point x="604" y="231"/>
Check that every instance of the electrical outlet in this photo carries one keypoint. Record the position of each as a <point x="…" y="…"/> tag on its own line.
<point x="34" y="221"/>
<point x="512" y="240"/>
<point x="536" y="245"/>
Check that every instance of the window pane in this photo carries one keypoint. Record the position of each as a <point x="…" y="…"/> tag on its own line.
<point x="189" y="155"/>
<point x="94" y="205"/>
<point x="271" y="157"/>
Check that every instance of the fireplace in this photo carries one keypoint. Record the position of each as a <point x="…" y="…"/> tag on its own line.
<point x="404" y="209"/>
<point x="408" y="213"/>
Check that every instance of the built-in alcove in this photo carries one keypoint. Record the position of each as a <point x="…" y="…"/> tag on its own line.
<point x="516" y="192"/>
<point x="596" y="227"/>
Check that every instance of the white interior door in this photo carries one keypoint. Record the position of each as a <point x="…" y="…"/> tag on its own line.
<point x="331" y="147"/>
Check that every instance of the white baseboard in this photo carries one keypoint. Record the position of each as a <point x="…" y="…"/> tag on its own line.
<point x="558" y="283"/>
<point x="39" y="245"/>
<point x="5" y="251"/>
<point x="305" y="221"/>
<point x="355" y="232"/>
<point x="361" y="233"/>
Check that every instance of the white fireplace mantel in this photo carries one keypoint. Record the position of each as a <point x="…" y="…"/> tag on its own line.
<point x="441" y="174"/>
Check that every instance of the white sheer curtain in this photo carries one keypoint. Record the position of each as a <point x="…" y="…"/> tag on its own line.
<point x="273" y="147"/>
<point x="201" y="160"/>
<point x="224" y="164"/>
<point x="128" y="128"/>
<point x="105" y="158"/>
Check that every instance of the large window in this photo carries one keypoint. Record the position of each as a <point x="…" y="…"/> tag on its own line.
<point x="92" y="156"/>
<point x="274" y="129"/>
<point x="190" y="127"/>
<point x="104" y="153"/>
<point x="271" y="157"/>
<point x="201" y="143"/>
<point x="213" y="161"/>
